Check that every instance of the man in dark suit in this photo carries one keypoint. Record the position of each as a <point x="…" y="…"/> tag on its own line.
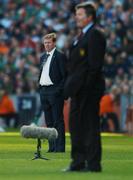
<point x="51" y="82"/>
<point x="85" y="85"/>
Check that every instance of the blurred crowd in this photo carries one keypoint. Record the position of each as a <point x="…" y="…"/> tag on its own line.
<point x="23" y="23"/>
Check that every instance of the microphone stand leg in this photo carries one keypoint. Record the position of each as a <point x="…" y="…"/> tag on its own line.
<point x="38" y="153"/>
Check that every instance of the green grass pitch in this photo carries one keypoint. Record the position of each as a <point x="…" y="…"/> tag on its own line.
<point x="16" y="164"/>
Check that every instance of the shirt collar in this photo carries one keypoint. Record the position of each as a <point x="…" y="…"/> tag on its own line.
<point x="51" y="52"/>
<point x="86" y="28"/>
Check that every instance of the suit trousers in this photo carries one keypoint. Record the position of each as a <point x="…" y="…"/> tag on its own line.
<point x="52" y="105"/>
<point x="84" y="126"/>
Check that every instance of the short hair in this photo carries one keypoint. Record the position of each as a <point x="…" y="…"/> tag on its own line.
<point x="50" y="36"/>
<point x="90" y="8"/>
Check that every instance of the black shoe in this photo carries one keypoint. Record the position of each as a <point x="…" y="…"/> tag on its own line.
<point x="60" y="151"/>
<point x="77" y="166"/>
<point x="50" y="151"/>
<point x="69" y="169"/>
<point x="81" y="170"/>
<point x="96" y="169"/>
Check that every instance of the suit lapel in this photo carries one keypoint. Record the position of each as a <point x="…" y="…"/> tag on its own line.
<point x="77" y="40"/>
<point x="53" y="58"/>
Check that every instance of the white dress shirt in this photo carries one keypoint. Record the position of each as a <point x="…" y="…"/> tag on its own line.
<point x="87" y="27"/>
<point x="45" y="78"/>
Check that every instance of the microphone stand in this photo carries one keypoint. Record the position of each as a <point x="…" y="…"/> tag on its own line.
<point x="38" y="153"/>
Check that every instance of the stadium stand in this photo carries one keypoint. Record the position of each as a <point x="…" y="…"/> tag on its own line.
<point x="23" y="23"/>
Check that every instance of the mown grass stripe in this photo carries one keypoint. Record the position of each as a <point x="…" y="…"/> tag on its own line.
<point x="67" y="134"/>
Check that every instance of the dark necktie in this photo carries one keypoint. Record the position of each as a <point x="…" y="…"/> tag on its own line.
<point x="45" y="58"/>
<point x="80" y="36"/>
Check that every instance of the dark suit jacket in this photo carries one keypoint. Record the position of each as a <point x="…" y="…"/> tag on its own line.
<point x="85" y="65"/>
<point x="57" y="70"/>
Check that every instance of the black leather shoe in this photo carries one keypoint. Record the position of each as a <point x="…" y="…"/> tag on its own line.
<point x="50" y="151"/>
<point x="59" y="151"/>
<point x="83" y="169"/>
<point x="96" y="169"/>
<point x="75" y="170"/>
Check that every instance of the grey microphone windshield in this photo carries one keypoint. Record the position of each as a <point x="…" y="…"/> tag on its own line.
<point x="38" y="132"/>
